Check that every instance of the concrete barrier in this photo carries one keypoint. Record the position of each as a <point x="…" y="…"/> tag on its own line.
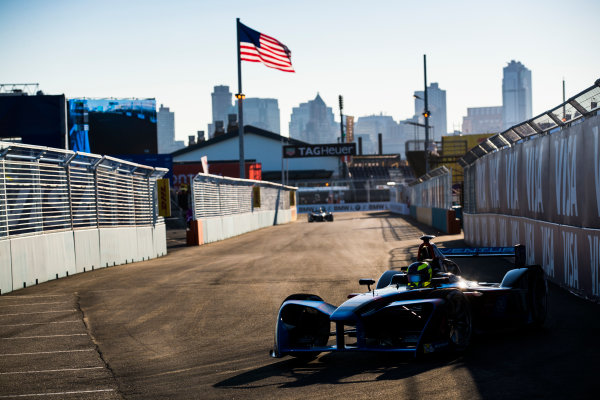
<point x="40" y="258"/>
<point x="145" y="243"/>
<point x="5" y="267"/>
<point x="215" y="229"/>
<point x="159" y="235"/>
<point x="87" y="249"/>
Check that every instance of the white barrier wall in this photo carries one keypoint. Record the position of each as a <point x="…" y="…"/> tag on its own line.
<point x="27" y="260"/>
<point x="220" y="228"/>
<point x="87" y="249"/>
<point x="5" y="270"/>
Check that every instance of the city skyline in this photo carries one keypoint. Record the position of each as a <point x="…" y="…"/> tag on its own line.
<point x="177" y="53"/>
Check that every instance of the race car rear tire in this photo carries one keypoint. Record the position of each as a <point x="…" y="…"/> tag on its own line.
<point x="458" y="323"/>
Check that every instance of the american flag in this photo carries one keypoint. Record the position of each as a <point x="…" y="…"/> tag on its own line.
<point x="258" y="47"/>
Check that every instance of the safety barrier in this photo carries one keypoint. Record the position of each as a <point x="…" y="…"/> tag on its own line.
<point x="64" y="212"/>
<point x="540" y="186"/>
<point x="430" y="199"/>
<point x="226" y="207"/>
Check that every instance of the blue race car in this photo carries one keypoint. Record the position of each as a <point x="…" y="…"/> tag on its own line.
<point x="414" y="310"/>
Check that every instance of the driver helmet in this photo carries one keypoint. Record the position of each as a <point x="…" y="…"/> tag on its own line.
<point x="419" y="275"/>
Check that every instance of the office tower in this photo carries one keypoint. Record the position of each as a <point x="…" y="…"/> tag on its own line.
<point x="165" y="129"/>
<point x="516" y="94"/>
<point x="262" y="113"/>
<point x="483" y="120"/>
<point x="436" y="99"/>
<point x="221" y="107"/>
<point x="392" y="134"/>
<point x="313" y="122"/>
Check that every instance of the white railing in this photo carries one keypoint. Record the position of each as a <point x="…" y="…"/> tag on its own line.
<point x="44" y="189"/>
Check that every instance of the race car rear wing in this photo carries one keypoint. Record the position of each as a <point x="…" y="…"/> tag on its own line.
<point x="517" y="251"/>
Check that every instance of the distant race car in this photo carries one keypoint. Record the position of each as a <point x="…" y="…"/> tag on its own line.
<point x="320" y="215"/>
<point x="414" y="310"/>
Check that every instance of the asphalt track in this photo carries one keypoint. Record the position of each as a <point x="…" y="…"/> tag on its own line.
<point x="199" y="323"/>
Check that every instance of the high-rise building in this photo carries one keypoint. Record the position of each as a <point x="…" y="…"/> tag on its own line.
<point x="436" y="101"/>
<point x="262" y="113"/>
<point x="313" y="122"/>
<point x="221" y="107"/>
<point x="516" y="94"/>
<point x="165" y="130"/>
<point x="483" y="120"/>
<point x="372" y="125"/>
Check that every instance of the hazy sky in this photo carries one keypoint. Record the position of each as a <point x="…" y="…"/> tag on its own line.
<point x="371" y="52"/>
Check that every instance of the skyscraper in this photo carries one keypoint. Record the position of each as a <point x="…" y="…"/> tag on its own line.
<point x="516" y="94"/>
<point x="221" y="107"/>
<point x="483" y="120"/>
<point x="262" y="113"/>
<point x="436" y="99"/>
<point x="313" y="122"/>
<point x="392" y="134"/>
<point x="165" y="130"/>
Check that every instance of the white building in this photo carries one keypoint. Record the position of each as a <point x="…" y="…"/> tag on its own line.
<point x="267" y="149"/>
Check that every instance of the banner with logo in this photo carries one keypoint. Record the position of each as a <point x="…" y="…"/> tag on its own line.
<point x="346" y="207"/>
<point x="319" y="150"/>
<point x="554" y="178"/>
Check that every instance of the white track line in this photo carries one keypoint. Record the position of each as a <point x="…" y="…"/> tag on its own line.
<point x="42" y="323"/>
<point x="56" y="393"/>
<point x="35" y="304"/>
<point x="42" y="336"/>
<point x="34" y="297"/>
<point x="45" y="352"/>
<point x="50" y="370"/>
<point x="38" y="312"/>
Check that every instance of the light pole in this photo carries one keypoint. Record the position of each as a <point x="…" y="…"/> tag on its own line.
<point x="426" y="114"/>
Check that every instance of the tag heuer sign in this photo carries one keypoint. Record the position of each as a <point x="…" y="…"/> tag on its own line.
<point x="320" y="150"/>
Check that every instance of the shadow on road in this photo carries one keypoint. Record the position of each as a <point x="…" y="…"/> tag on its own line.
<point x="336" y="369"/>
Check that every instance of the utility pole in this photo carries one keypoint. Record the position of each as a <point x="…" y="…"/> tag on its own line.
<point x="342" y="136"/>
<point x="426" y="114"/>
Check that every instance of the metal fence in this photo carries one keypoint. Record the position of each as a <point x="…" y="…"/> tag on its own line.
<point x="215" y="196"/>
<point x="432" y="190"/>
<point x="45" y="189"/>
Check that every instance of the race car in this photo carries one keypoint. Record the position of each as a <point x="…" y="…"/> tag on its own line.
<point x="413" y="311"/>
<point x="320" y="215"/>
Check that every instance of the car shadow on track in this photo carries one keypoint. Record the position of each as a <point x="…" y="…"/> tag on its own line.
<point x="332" y="368"/>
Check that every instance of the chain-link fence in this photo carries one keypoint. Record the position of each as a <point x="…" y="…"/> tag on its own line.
<point x="44" y="189"/>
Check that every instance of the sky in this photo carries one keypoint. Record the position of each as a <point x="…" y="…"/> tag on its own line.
<point x="370" y="52"/>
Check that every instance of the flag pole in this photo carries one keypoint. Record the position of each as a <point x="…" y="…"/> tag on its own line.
<point x="240" y="98"/>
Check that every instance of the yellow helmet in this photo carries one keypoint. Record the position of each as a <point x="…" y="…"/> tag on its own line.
<point x="419" y="274"/>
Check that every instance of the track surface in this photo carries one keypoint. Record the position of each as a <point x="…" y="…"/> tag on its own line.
<point x="198" y="324"/>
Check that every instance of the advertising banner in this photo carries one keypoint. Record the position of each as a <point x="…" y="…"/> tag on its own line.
<point x="553" y="178"/>
<point x="164" y="198"/>
<point x="319" y="150"/>
<point x="346" y="207"/>
<point x="569" y="255"/>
